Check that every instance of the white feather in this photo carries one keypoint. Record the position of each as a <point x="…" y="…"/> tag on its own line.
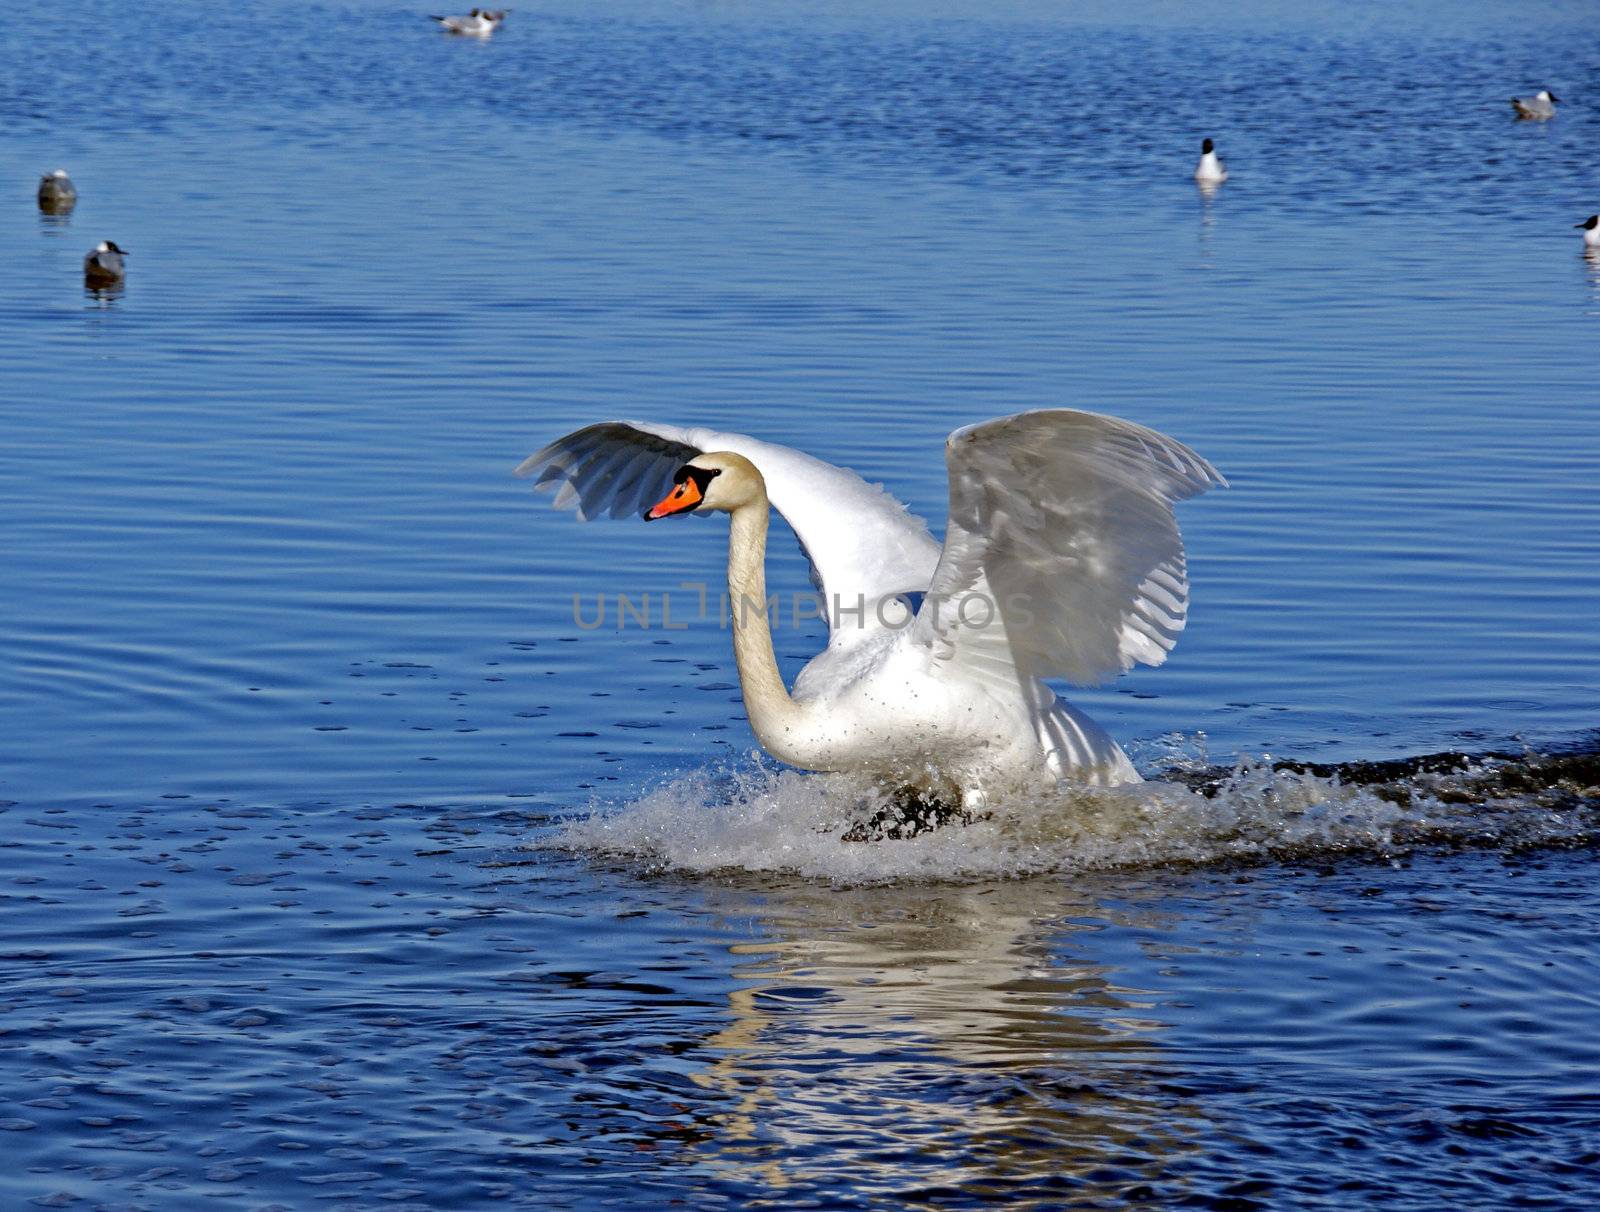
<point x="864" y="544"/>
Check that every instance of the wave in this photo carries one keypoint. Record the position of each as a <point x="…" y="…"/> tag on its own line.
<point x="762" y="818"/>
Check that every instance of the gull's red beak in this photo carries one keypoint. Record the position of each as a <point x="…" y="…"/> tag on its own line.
<point x="683" y="497"/>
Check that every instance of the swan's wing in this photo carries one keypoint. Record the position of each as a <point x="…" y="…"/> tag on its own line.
<point x="614" y="468"/>
<point x="863" y="544"/>
<point x="1062" y="557"/>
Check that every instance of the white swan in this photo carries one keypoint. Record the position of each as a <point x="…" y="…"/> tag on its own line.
<point x="1062" y="558"/>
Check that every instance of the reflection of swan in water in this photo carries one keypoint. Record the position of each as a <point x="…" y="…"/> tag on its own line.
<point x="1061" y="558"/>
<point x="948" y="1040"/>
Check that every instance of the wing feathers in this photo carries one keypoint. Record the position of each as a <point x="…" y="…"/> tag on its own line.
<point x="609" y="468"/>
<point x="1061" y="524"/>
<point x="864" y="545"/>
<point x="1062" y="557"/>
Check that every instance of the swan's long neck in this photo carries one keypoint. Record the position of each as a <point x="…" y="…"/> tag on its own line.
<point x="774" y="716"/>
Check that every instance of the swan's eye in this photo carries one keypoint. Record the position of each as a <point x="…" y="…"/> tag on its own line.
<point x="700" y="475"/>
<point x="690" y="491"/>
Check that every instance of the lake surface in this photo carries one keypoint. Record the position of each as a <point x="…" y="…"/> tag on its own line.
<point x="341" y="866"/>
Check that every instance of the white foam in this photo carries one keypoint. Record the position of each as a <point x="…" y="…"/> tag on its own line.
<point x="760" y="818"/>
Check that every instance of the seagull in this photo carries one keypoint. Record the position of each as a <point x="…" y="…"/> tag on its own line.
<point x="57" y="194"/>
<point x="103" y="266"/>
<point x="1540" y="107"/>
<point x="1591" y="232"/>
<point x="479" y="23"/>
<point x="1210" y="169"/>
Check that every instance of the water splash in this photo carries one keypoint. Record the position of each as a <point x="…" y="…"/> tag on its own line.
<point x="765" y="819"/>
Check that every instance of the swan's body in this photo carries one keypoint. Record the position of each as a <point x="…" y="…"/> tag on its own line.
<point x="1591" y="233"/>
<point x="1540" y="107"/>
<point x="1062" y="558"/>
<point x="57" y="194"/>
<point x="1210" y="170"/>
<point x="479" y="23"/>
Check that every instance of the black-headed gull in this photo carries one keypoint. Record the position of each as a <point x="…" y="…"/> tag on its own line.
<point x="1540" y="107"/>
<point x="1210" y="169"/>
<point x="479" y="23"/>
<point x="103" y="266"/>
<point x="57" y="194"/>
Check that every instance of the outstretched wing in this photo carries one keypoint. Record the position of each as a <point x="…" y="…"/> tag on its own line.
<point x="863" y="543"/>
<point x="1062" y="557"/>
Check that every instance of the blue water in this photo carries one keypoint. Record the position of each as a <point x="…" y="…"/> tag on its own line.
<point x="299" y="735"/>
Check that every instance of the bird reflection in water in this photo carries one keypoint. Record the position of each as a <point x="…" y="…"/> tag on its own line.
<point x="918" y="1037"/>
<point x="1591" y="271"/>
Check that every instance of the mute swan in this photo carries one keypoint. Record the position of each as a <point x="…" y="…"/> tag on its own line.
<point x="1062" y="558"/>
<point x="1210" y="170"/>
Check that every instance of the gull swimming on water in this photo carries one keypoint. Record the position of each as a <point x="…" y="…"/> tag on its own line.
<point x="479" y="23"/>
<point x="103" y="266"/>
<point x="1540" y="107"/>
<point x="1591" y="233"/>
<point x="1210" y="169"/>
<point x="57" y="194"/>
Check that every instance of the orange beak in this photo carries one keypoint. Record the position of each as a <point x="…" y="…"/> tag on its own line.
<point x="681" y="499"/>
